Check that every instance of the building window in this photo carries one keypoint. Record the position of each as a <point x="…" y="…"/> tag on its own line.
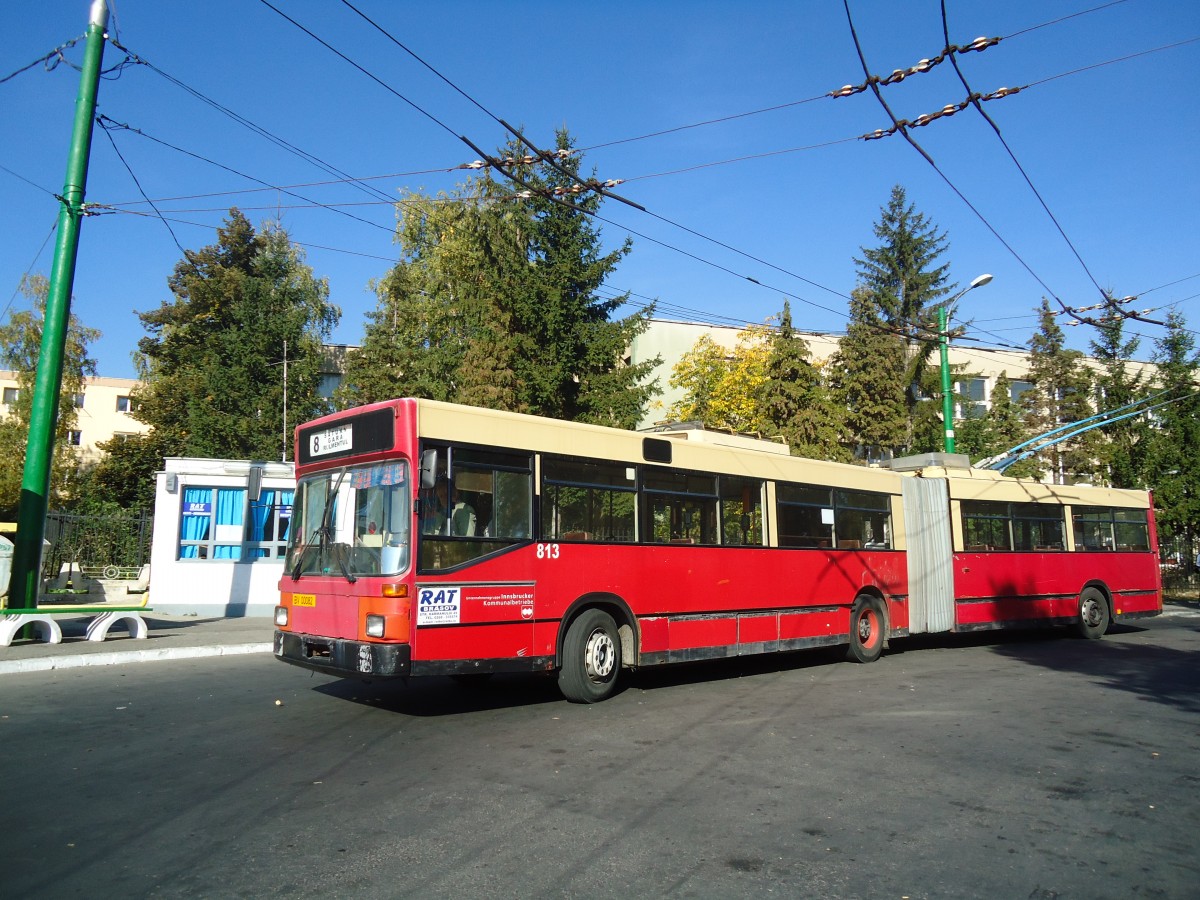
<point x="1017" y="388"/>
<point x="973" y="404"/>
<point x="75" y="438"/>
<point x="267" y="527"/>
<point x="126" y="404"/>
<point x="10" y="396"/>
<point x="212" y="523"/>
<point x="123" y="436"/>
<point x="77" y="400"/>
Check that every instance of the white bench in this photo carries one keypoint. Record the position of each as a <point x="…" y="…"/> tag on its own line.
<point x="100" y="620"/>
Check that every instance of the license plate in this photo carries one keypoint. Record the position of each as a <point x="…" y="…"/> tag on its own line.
<point x="304" y="599"/>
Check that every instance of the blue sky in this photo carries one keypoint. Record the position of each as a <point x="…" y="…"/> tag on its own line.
<point x="1111" y="148"/>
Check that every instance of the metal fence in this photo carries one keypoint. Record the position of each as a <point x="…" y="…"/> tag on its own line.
<point x="99" y="541"/>
<point x="1179" y="564"/>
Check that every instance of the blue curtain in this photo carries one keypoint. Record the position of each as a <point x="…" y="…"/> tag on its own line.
<point x="231" y="507"/>
<point x="286" y="498"/>
<point x="195" y="526"/>
<point x="260" y="512"/>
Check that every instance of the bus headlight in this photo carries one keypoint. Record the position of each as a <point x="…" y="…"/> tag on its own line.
<point x="375" y="626"/>
<point x="281" y="615"/>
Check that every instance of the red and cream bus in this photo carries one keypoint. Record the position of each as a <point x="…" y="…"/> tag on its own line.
<point x="435" y="539"/>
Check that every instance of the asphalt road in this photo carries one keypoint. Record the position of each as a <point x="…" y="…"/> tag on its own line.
<point x="1022" y="766"/>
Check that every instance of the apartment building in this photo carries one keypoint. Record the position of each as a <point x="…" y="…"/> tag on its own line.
<point x="103" y="411"/>
<point x="976" y="368"/>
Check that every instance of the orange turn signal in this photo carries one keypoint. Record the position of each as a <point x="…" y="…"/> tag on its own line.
<point x="395" y="589"/>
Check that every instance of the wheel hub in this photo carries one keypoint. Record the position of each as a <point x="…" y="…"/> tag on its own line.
<point x="600" y="655"/>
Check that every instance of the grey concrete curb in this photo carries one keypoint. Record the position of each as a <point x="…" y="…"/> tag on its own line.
<point x="47" y="663"/>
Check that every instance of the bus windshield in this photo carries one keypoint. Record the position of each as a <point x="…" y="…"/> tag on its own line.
<point x="352" y="521"/>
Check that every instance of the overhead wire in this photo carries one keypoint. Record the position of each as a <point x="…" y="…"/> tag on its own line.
<point x="780" y="106"/>
<point x="929" y="159"/>
<point x="32" y="184"/>
<point x="547" y="157"/>
<point x="56" y="54"/>
<point x="211" y="227"/>
<point x="29" y="268"/>
<point x="247" y="123"/>
<point x="109" y="124"/>
<point x="108" y="134"/>
<point x="281" y="187"/>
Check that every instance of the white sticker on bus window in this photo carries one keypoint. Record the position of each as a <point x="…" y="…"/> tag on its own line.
<point x="439" y="605"/>
<point x="826" y="516"/>
<point x="331" y="440"/>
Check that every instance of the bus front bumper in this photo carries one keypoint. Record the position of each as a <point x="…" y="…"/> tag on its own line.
<point x="343" y="658"/>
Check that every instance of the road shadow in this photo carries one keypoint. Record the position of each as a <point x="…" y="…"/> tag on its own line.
<point x="441" y="696"/>
<point x="1159" y="674"/>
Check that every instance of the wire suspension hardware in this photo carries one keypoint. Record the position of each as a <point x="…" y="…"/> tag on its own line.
<point x="925" y="65"/>
<point x="1113" y="312"/>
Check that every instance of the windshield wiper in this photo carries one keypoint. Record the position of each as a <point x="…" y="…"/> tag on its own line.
<point x="324" y="532"/>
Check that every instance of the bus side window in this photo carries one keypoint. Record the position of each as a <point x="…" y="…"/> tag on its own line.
<point x="741" y="511"/>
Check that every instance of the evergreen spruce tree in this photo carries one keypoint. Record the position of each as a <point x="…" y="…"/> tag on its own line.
<point x="904" y="280"/>
<point x="868" y="380"/>
<point x="1060" y="395"/>
<point x="1123" y="447"/>
<point x="496" y="301"/>
<point x="1173" y="455"/>
<point x="795" y="400"/>
<point x="211" y="364"/>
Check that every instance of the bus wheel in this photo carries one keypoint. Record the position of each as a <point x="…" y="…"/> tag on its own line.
<point x="591" y="658"/>
<point x="866" y="630"/>
<point x="1093" y="614"/>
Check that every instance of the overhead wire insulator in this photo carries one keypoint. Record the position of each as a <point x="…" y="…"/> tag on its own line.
<point x="979" y="45"/>
<point x="848" y="90"/>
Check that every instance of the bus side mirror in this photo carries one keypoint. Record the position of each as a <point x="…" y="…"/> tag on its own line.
<point x="428" y="469"/>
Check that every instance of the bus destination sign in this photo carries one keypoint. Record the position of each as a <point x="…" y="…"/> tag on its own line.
<point x="368" y="432"/>
<point x="331" y="440"/>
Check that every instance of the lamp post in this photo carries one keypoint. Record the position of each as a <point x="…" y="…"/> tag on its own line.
<point x="944" y="343"/>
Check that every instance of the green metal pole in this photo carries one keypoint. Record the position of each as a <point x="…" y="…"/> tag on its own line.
<point x="39" y="452"/>
<point x="947" y="399"/>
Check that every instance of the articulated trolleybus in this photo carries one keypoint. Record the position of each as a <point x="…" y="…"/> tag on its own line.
<point x="435" y="539"/>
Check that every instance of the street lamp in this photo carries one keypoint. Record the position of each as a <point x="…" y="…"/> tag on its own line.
<point x="944" y="342"/>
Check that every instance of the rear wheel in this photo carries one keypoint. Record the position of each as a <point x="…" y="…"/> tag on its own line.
<point x="1093" y="614"/>
<point x="866" y="630"/>
<point x="591" y="658"/>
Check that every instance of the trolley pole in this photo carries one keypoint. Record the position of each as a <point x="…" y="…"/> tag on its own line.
<point x="39" y="451"/>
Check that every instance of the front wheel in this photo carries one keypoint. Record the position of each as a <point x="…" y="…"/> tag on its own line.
<point x="591" y="658"/>
<point x="866" y="630"/>
<point x="1093" y="614"/>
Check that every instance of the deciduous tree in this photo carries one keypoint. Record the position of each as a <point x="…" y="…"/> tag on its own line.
<point x="20" y="348"/>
